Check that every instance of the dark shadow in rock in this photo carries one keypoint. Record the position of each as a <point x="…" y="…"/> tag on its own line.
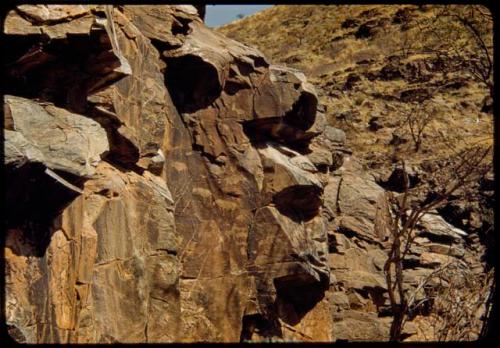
<point x="377" y="297"/>
<point x="23" y="54"/>
<point x="438" y="238"/>
<point x="201" y="8"/>
<point x="455" y="214"/>
<point x="193" y="83"/>
<point x="16" y="334"/>
<point x="396" y="181"/>
<point x="257" y="323"/>
<point x="412" y="262"/>
<point x="260" y="131"/>
<point x="122" y="150"/>
<point x="299" y="202"/>
<point x="233" y="87"/>
<point x="298" y="294"/>
<point x="61" y="71"/>
<point x="289" y="129"/>
<point x="34" y="200"/>
<point x="274" y="129"/>
<point x="418" y="95"/>
<point x="163" y="46"/>
<point x="303" y="112"/>
<point x="180" y="26"/>
<point x="123" y="153"/>
<point x="246" y="68"/>
<point x="366" y="30"/>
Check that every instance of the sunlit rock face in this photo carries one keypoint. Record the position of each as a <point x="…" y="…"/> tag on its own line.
<point x="159" y="182"/>
<point x="168" y="184"/>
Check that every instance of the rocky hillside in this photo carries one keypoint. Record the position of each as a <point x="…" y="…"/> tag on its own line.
<point x="169" y="184"/>
<point x="377" y="67"/>
<point x="371" y="64"/>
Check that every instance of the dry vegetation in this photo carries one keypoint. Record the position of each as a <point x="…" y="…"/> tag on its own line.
<point x="411" y="84"/>
<point x="371" y="64"/>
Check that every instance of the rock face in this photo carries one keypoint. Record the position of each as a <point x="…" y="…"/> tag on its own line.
<point x="167" y="184"/>
<point x="53" y="136"/>
<point x="160" y="183"/>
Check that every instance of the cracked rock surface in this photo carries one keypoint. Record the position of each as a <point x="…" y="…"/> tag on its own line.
<point x="167" y="184"/>
<point x="163" y="182"/>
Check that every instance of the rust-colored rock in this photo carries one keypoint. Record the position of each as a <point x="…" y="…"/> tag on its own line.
<point x="167" y="184"/>
<point x="175" y="235"/>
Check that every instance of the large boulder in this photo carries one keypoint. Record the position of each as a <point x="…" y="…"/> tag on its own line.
<point x="54" y="137"/>
<point x="203" y="220"/>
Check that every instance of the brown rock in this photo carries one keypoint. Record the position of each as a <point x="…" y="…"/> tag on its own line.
<point x="373" y="328"/>
<point x="363" y="206"/>
<point x="167" y="184"/>
<point x="434" y="259"/>
<point x="53" y="136"/>
<point x="63" y="19"/>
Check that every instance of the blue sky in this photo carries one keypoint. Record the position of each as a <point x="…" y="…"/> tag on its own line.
<point x="217" y="15"/>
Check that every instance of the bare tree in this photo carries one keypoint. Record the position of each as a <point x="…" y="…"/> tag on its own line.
<point x="407" y="212"/>
<point x="462" y="36"/>
<point x="418" y="119"/>
<point x="459" y="299"/>
<point x="407" y="44"/>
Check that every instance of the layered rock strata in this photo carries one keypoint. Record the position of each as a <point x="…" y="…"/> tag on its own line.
<point x="158" y="182"/>
<point x="167" y="184"/>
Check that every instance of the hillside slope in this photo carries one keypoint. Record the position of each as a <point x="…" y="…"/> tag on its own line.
<point x="379" y="70"/>
<point x="165" y="183"/>
<point x="367" y="65"/>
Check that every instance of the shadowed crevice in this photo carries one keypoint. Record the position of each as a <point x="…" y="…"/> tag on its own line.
<point x="303" y="112"/>
<point x="193" y="83"/>
<point x="34" y="200"/>
<point x="289" y="128"/>
<point x="61" y="71"/>
<point x="257" y="324"/>
<point x="298" y="294"/>
<point x="300" y="202"/>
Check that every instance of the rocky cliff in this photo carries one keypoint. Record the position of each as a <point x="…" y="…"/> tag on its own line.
<point x="168" y="184"/>
<point x="377" y="71"/>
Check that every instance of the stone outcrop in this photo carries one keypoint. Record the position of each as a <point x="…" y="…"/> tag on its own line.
<point x="160" y="176"/>
<point x="52" y="136"/>
<point x="168" y="184"/>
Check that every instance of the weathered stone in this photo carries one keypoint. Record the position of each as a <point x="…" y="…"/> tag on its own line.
<point x="356" y="269"/>
<point x="363" y="206"/>
<point x="327" y="149"/>
<point x="287" y="183"/>
<point x="338" y="244"/>
<point x="53" y="136"/>
<point x="61" y="20"/>
<point x="355" y="209"/>
<point x="167" y="25"/>
<point x="340" y="300"/>
<point x="52" y="13"/>
<point x="356" y="301"/>
<point x="334" y="135"/>
<point x="330" y="195"/>
<point x="137" y="100"/>
<point x="119" y="251"/>
<point x="445" y="249"/>
<point x="214" y="216"/>
<point x="436" y="228"/>
<point x="434" y="259"/>
<point x="18" y="150"/>
<point x="374" y="328"/>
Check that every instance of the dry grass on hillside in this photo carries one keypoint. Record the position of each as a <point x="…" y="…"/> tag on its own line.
<point x="354" y="55"/>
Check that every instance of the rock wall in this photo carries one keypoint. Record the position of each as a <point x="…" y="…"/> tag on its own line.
<point x="166" y="184"/>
